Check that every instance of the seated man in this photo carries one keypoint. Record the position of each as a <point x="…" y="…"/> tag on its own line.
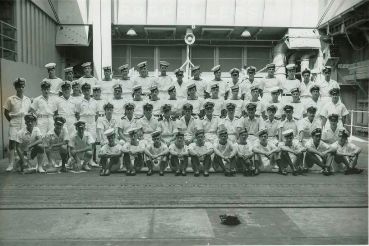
<point x="335" y="106"/>
<point x="331" y="130"/>
<point x="200" y="153"/>
<point x="307" y="124"/>
<point x="56" y="144"/>
<point x="244" y="153"/>
<point x="291" y="154"/>
<point x="266" y="153"/>
<point x="157" y="153"/>
<point x="29" y="144"/>
<point x="133" y="152"/>
<point x="346" y="153"/>
<point x="187" y="123"/>
<point x="288" y="123"/>
<point x="81" y="147"/>
<point x="224" y="153"/>
<point x="272" y="124"/>
<point x="179" y="154"/>
<point x="110" y="153"/>
<point x="318" y="152"/>
<point x="252" y="123"/>
<point x="167" y="125"/>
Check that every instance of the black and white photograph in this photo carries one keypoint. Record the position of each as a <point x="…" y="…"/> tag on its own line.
<point x="184" y="122"/>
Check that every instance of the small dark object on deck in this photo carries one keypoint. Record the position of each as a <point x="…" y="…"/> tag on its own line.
<point x="229" y="219"/>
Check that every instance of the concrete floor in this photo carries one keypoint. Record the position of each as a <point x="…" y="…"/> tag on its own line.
<point x="183" y="226"/>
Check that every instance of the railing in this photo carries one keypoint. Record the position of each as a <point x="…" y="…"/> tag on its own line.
<point x="8" y="41"/>
<point x="358" y="122"/>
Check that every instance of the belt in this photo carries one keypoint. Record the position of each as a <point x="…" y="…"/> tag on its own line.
<point x="44" y="116"/>
<point x="101" y="115"/>
<point x="286" y="94"/>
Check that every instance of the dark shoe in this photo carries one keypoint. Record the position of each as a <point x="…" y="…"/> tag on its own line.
<point x="283" y="172"/>
<point x="233" y="172"/>
<point x="206" y="174"/>
<point x="128" y="173"/>
<point x="227" y="174"/>
<point x="356" y="170"/>
<point x="348" y="171"/>
<point x="133" y="173"/>
<point x="178" y="173"/>
<point x="63" y="169"/>
<point x="107" y="172"/>
<point x="196" y="174"/>
<point x="305" y="170"/>
<point x="184" y="173"/>
<point x="255" y="172"/>
<point x="246" y="173"/>
<point x="149" y="173"/>
<point x="161" y="173"/>
<point x="326" y="172"/>
<point x="295" y="173"/>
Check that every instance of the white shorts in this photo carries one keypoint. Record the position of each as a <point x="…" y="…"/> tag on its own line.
<point x="13" y="130"/>
<point x="45" y="125"/>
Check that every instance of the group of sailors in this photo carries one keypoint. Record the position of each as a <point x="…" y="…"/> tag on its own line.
<point x="245" y="125"/>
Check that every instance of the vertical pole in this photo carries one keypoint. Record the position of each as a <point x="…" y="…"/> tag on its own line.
<point x="352" y="121"/>
<point x="188" y="62"/>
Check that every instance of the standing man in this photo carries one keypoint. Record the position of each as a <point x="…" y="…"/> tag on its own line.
<point x="163" y="81"/>
<point x="87" y="75"/>
<point x="106" y="84"/>
<point x="143" y="79"/>
<point x="44" y="107"/>
<point x="196" y="102"/>
<point x="180" y="85"/>
<point x="66" y="108"/>
<point x="249" y="82"/>
<point x="305" y="86"/>
<point x="236" y="81"/>
<point x="252" y="123"/>
<point x="126" y="82"/>
<point x="118" y="102"/>
<point x="210" y="123"/>
<point x="15" y="108"/>
<point x="148" y="122"/>
<point x="69" y="74"/>
<point x="201" y="84"/>
<point x="335" y="106"/>
<point x="127" y="122"/>
<point x="105" y="123"/>
<point x="223" y="86"/>
<point x="54" y="81"/>
<point x="270" y="81"/>
<point x="327" y="84"/>
<point x="187" y="123"/>
<point x="289" y="83"/>
<point x="315" y="99"/>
